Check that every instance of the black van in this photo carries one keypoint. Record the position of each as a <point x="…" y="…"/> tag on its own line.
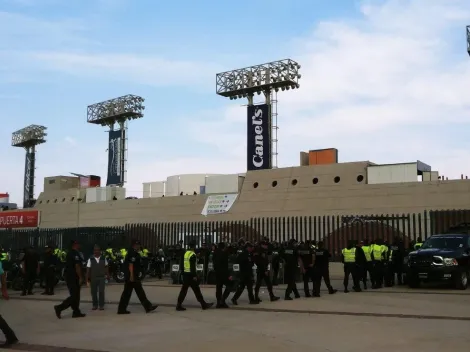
<point x="441" y="258"/>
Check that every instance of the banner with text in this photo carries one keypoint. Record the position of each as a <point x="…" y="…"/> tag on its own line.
<point x="218" y="204"/>
<point x="17" y="219"/>
<point x="115" y="172"/>
<point x="258" y="137"/>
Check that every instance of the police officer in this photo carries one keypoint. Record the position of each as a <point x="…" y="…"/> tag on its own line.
<point x="10" y="335"/>
<point x="307" y="260"/>
<point x="418" y="244"/>
<point x="190" y="279"/>
<point x="321" y="269"/>
<point x="378" y="257"/>
<point x="30" y="267"/>
<point x="222" y="275"/>
<point x="109" y="252"/>
<point x="132" y="269"/>
<point x="349" y="259"/>
<point x="368" y="268"/>
<point x="50" y="264"/>
<point x="263" y="271"/>
<point x="291" y="258"/>
<point x="395" y="257"/>
<point x="74" y="279"/>
<point x="275" y="262"/>
<point x="245" y="261"/>
<point x="361" y="262"/>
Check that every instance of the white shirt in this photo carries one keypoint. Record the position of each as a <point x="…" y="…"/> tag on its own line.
<point x="88" y="265"/>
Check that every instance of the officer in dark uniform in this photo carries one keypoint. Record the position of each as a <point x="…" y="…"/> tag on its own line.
<point x="10" y="335"/>
<point x="190" y="279"/>
<point x="321" y="268"/>
<point x="30" y="267"/>
<point x="307" y="260"/>
<point x="74" y="279"/>
<point x="262" y="272"/>
<point x="275" y="262"/>
<point x="245" y="260"/>
<point x="132" y="268"/>
<point x="291" y="258"/>
<point x="395" y="257"/>
<point x="50" y="264"/>
<point x="222" y="275"/>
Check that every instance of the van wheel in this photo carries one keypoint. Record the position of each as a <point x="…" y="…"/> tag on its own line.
<point x="461" y="281"/>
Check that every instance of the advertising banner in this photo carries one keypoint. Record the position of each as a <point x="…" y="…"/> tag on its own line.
<point x="218" y="204"/>
<point x="258" y="138"/>
<point x="115" y="172"/>
<point x="19" y="219"/>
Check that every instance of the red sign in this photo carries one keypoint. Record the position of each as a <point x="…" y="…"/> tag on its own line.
<point x="19" y="219"/>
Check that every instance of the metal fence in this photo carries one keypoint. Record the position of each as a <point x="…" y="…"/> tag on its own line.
<point x="335" y="231"/>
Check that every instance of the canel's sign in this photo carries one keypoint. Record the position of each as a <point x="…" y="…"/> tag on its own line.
<point x="258" y="138"/>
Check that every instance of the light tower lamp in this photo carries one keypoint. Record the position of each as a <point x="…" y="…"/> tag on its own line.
<point x="468" y="40"/>
<point x="28" y="138"/>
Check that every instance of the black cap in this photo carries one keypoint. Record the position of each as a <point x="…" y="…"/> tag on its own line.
<point x="134" y="242"/>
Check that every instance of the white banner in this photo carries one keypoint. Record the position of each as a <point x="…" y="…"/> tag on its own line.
<point x="218" y="204"/>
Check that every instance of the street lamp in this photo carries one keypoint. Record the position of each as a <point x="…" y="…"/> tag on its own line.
<point x="468" y="40"/>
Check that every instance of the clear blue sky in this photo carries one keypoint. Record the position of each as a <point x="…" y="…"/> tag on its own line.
<point x="380" y="78"/>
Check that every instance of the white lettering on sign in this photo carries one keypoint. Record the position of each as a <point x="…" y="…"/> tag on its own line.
<point x="259" y="142"/>
<point x="11" y="220"/>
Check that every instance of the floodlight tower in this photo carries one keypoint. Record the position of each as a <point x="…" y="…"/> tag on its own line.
<point x="262" y="119"/>
<point x="28" y="138"/>
<point x="468" y="40"/>
<point x="111" y="112"/>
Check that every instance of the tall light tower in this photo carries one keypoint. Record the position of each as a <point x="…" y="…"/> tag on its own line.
<point x="108" y="113"/>
<point x="262" y="118"/>
<point x="468" y="40"/>
<point x="28" y="138"/>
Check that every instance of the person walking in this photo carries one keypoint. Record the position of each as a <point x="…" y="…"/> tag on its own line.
<point x="50" y="264"/>
<point x="190" y="279"/>
<point x="10" y="335"/>
<point x="222" y="275"/>
<point x="132" y="269"/>
<point x="74" y="279"/>
<point x="97" y="274"/>
<point x="30" y="268"/>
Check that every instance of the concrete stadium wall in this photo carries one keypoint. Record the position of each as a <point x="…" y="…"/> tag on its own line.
<point x="294" y="194"/>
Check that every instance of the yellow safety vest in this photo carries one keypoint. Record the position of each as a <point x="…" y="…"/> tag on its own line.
<point x="123" y="252"/>
<point x="110" y="253"/>
<point x="418" y="245"/>
<point x="187" y="264"/>
<point x="367" y="251"/>
<point x="377" y="251"/>
<point x="4" y="256"/>
<point x="144" y="253"/>
<point x="349" y="255"/>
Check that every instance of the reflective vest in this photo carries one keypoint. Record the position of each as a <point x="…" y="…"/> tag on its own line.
<point x="123" y="252"/>
<point x="186" y="262"/>
<point x="4" y="256"/>
<point x="367" y="251"/>
<point x="349" y="255"/>
<point x="144" y="252"/>
<point x="377" y="251"/>
<point x="110" y="253"/>
<point x="418" y="245"/>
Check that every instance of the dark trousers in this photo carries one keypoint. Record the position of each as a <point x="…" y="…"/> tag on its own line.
<point x="275" y="274"/>
<point x="73" y="301"/>
<point x="319" y="274"/>
<point x="127" y="293"/>
<point x="368" y="268"/>
<point x="307" y="277"/>
<point x="245" y="281"/>
<point x="7" y="331"/>
<point x="97" y="291"/>
<point x="260" y="277"/>
<point x="291" y="285"/>
<point x="350" y="270"/>
<point x="49" y="280"/>
<point x="188" y="281"/>
<point x="28" y="280"/>
<point x="378" y="274"/>
<point x="220" y="282"/>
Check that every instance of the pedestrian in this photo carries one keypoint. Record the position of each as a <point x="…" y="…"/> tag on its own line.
<point x="245" y="262"/>
<point x="321" y="268"/>
<point x="263" y="271"/>
<point x="292" y="260"/>
<point x="132" y="269"/>
<point x="74" y="280"/>
<point x="361" y="262"/>
<point x="378" y="258"/>
<point x="348" y="258"/>
<point x="307" y="260"/>
<point x="97" y="274"/>
<point x="222" y="275"/>
<point x="50" y="264"/>
<point x="10" y="335"/>
<point x="30" y="268"/>
<point x="368" y="268"/>
<point x="190" y="279"/>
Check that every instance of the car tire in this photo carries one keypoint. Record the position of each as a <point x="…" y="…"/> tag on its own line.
<point x="461" y="280"/>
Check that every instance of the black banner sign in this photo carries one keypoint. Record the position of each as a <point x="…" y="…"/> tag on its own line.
<point x="363" y="219"/>
<point x="115" y="171"/>
<point x="258" y="138"/>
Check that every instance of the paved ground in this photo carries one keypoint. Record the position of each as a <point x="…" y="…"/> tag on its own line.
<point x="384" y="320"/>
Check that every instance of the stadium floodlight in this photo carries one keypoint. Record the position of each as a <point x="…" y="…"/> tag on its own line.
<point x="241" y="83"/>
<point x="108" y="113"/>
<point x="468" y="40"/>
<point x="28" y="138"/>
